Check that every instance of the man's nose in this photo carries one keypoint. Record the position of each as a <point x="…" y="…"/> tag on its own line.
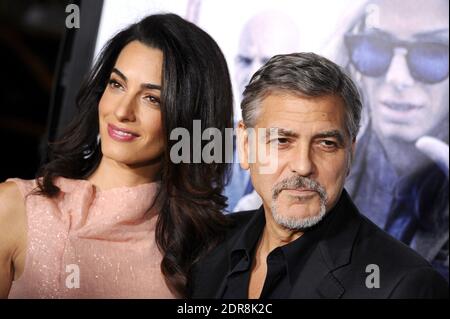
<point x="398" y="73"/>
<point x="125" y="111"/>
<point x="301" y="162"/>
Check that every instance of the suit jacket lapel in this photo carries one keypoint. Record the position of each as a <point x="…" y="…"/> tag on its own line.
<point x="331" y="253"/>
<point x="212" y="278"/>
<point x="248" y="232"/>
<point x="223" y="283"/>
<point x="330" y="287"/>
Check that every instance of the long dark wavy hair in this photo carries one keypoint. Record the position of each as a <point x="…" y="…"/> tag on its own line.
<point x="195" y="86"/>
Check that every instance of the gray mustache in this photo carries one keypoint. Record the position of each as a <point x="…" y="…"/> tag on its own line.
<point x="295" y="182"/>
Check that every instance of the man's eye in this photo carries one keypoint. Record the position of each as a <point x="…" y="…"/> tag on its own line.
<point x="328" y="144"/>
<point x="280" y="141"/>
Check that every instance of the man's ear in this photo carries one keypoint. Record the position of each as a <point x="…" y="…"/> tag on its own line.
<point x="242" y="145"/>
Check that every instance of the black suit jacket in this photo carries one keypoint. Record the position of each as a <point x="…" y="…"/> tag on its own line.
<point x="337" y="266"/>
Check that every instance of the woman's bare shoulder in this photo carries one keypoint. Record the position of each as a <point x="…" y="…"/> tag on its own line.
<point x="11" y="199"/>
<point x="12" y="232"/>
<point x="12" y="214"/>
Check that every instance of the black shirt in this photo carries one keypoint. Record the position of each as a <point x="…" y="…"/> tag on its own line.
<point x="284" y="264"/>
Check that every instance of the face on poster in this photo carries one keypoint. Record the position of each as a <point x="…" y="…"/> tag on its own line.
<point x="248" y="32"/>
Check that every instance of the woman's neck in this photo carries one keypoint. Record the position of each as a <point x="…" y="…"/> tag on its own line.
<point x="111" y="174"/>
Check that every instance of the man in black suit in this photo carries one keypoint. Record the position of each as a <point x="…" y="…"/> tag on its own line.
<point x="301" y="115"/>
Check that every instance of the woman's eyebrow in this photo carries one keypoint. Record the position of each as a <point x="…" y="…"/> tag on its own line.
<point x="149" y="86"/>
<point x="120" y="74"/>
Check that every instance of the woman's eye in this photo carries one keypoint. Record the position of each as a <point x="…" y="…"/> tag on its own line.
<point x="152" y="99"/>
<point x="114" y="84"/>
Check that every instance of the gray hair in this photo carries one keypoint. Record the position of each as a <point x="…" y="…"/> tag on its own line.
<point x="306" y="74"/>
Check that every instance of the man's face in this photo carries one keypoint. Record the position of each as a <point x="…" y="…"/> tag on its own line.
<point x="265" y="35"/>
<point x="402" y="105"/>
<point x="313" y="156"/>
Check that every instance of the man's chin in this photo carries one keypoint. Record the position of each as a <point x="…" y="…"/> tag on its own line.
<point x="298" y="223"/>
<point x="290" y="215"/>
<point x="297" y="218"/>
<point x="299" y="209"/>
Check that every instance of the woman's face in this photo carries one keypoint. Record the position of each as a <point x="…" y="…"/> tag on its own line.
<point x="403" y="106"/>
<point x="129" y="109"/>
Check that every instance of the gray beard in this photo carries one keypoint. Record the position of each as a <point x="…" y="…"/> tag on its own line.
<point x="292" y="222"/>
<point x="298" y="223"/>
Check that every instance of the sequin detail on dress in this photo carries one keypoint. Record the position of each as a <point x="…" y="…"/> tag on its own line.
<point x="109" y="236"/>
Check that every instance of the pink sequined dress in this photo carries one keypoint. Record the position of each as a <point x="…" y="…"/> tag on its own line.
<point x="91" y="243"/>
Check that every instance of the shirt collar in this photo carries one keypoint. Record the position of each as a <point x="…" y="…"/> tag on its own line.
<point x="297" y="252"/>
<point x="241" y="253"/>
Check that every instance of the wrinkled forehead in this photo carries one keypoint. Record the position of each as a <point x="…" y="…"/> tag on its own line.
<point x="405" y="19"/>
<point x="286" y="110"/>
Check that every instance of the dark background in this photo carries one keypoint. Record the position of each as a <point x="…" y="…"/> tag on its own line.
<point x="30" y="38"/>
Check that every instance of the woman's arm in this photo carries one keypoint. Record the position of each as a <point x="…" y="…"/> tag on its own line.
<point x="12" y="235"/>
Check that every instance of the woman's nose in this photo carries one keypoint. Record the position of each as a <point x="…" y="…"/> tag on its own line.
<point x="125" y="111"/>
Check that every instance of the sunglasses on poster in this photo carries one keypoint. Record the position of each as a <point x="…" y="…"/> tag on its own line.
<point x="372" y="55"/>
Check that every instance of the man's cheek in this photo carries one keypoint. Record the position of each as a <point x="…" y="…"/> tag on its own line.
<point x="265" y="185"/>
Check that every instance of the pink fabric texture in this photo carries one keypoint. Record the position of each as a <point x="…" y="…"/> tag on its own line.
<point x="91" y="243"/>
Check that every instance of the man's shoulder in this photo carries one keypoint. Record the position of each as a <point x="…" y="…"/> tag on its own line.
<point x="373" y="253"/>
<point x="377" y="243"/>
<point x="238" y="220"/>
<point x="403" y="272"/>
<point x="204" y="283"/>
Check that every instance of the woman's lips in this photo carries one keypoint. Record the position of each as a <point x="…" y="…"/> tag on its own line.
<point x="121" y="135"/>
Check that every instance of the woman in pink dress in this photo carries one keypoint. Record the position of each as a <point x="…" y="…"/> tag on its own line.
<point x="114" y="214"/>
